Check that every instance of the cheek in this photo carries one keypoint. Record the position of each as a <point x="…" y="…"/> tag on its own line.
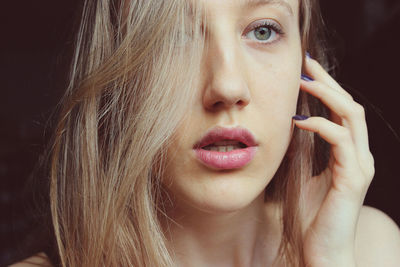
<point x="275" y="79"/>
<point x="277" y="97"/>
<point x="276" y="101"/>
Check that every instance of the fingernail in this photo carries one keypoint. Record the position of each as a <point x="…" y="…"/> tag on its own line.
<point x="300" y="117"/>
<point x="308" y="54"/>
<point x="306" y="78"/>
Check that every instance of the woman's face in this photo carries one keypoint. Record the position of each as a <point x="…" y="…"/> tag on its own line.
<point x="250" y="78"/>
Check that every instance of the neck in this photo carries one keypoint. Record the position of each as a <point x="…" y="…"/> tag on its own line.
<point x="245" y="237"/>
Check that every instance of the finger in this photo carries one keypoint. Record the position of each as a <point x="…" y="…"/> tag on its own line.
<point x="315" y="70"/>
<point x="338" y="136"/>
<point x="351" y="112"/>
<point x="347" y="165"/>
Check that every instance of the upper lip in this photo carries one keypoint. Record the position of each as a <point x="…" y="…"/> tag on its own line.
<point x="219" y="133"/>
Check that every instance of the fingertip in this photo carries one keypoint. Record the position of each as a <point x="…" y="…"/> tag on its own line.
<point x="306" y="78"/>
<point x="300" y="117"/>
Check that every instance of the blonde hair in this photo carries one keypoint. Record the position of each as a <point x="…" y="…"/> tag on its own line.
<point x="132" y="82"/>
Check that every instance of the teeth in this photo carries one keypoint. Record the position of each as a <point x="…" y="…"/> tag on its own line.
<point x="225" y="146"/>
<point x="227" y="143"/>
<point x="221" y="148"/>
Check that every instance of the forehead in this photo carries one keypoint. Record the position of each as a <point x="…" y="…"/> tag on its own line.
<point x="285" y="4"/>
<point x="289" y="6"/>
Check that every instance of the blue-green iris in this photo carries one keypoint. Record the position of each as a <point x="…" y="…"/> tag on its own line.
<point x="263" y="33"/>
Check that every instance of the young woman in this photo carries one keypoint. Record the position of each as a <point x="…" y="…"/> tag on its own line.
<point x="200" y="133"/>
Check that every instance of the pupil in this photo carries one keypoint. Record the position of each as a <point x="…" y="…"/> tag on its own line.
<point x="263" y="33"/>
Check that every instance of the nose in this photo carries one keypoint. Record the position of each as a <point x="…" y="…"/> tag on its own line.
<point x="226" y="87"/>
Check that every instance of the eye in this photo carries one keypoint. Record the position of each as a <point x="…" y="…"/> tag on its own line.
<point x="265" y="32"/>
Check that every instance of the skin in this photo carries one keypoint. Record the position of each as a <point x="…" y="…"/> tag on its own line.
<point x="219" y="218"/>
<point x="243" y="82"/>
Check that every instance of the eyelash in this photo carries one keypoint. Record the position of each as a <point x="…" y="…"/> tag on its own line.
<point x="271" y="25"/>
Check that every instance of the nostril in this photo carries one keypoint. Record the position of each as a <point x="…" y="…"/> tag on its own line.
<point x="220" y="104"/>
<point x="217" y="104"/>
<point x="240" y="103"/>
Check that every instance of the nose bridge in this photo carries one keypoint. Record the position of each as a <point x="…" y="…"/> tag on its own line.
<point x="226" y="81"/>
<point x="224" y="58"/>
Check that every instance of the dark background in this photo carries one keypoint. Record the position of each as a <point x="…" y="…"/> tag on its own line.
<point x="36" y="40"/>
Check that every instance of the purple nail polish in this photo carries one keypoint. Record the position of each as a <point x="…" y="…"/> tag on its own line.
<point x="306" y="78"/>
<point x="300" y="117"/>
<point x="308" y="54"/>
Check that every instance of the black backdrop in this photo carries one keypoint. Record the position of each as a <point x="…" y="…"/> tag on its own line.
<point x="36" y="39"/>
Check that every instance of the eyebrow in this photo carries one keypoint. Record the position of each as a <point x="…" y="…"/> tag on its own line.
<point x="257" y="3"/>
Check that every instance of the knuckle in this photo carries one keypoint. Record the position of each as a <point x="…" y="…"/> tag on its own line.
<point x="350" y="96"/>
<point x="359" y="110"/>
<point x="371" y="159"/>
<point x="370" y="173"/>
<point x="347" y="94"/>
<point x="369" y="167"/>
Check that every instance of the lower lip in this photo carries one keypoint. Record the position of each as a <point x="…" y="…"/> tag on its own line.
<point x="226" y="160"/>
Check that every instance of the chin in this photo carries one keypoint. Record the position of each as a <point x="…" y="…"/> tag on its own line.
<point x="222" y="196"/>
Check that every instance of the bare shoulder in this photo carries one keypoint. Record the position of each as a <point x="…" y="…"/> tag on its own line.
<point x="38" y="260"/>
<point x="377" y="239"/>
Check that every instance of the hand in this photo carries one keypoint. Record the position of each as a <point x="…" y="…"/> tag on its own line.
<point x="329" y="238"/>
